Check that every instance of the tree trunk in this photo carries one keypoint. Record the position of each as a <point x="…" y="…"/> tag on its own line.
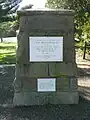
<point x="1" y="39"/>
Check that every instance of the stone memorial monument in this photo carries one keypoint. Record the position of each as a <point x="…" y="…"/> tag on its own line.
<point x="46" y="72"/>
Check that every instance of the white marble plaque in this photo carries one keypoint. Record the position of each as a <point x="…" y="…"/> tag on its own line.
<point x="44" y="49"/>
<point x="46" y="84"/>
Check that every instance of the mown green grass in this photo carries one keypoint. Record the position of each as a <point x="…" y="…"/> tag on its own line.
<point x="7" y="53"/>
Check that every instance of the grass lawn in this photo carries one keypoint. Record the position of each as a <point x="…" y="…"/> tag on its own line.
<point x="7" y="53"/>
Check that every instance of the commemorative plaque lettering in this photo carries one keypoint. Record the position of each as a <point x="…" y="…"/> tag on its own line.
<point x="44" y="49"/>
<point x="46" y="84"/>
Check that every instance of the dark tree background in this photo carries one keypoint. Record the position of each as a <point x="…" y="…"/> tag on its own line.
<point x="7" y="9"/>
<point x="9" y="22"/>
<point x="82" y="15"/>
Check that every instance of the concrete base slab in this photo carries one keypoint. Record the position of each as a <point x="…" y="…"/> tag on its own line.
<point x="37" y="98"/>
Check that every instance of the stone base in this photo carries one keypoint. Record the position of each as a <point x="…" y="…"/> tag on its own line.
<point x="36" y="98"/>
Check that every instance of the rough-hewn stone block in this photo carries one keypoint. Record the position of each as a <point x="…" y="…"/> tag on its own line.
<point x="68" y="41"/>
<point x="35" y="98"/>
<point x="62" y="84"/>
<point x="38" y="70"/>
<point x="29" y="84"/>
<point x="62" y="69"/>
<point x="22" y="53"/>
<point x="53" y="23"/>
<point x="69" y="55"/>
<point x="73" y="83"/>
<point x="45" y="23"/>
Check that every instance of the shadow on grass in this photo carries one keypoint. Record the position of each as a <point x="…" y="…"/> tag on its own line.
<point x="87" y="59"/>
<point x="80" y="111"/>
<point x="84" y="92"/>
<point x="83" y="71"/>
<point x="8" y="59"/>
<point x="8" y="47"/>
<point x="6" y="53"/>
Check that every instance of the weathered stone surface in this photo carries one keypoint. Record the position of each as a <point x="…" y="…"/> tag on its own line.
<point x="53" y="23"/>
<point x="64" y="98"/>
<point x="17" y="85"/>
<point x="73" y="83"/>
<point x="22" y="53"/>
<point x="62" y="69"/>
<point x="62" y="84"/>
<point x="29" y="84"/>
<point x="22" y="70"/>
<point x="68" y="41"/>
<point x="23" y="23"/>
<point x="53" y="12"/>
<point x="69" y="55"/>
<point x="36" y="98"/>
<point x="45" y="23"/>
<point x="38" y="70"/>
<point x="66" y="83"/>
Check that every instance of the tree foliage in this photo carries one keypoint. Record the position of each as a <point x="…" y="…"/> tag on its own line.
<point x="8" y="29"/>
<point x="8" y="7"/>
<point x="82" y="12"/>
